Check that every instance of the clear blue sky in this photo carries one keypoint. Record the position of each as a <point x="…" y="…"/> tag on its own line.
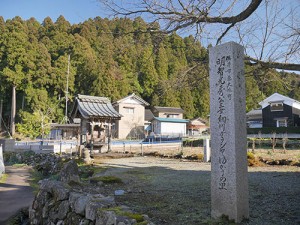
<point x="75" y="11"/>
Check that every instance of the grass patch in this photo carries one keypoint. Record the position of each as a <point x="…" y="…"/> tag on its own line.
<point x="106" y="179"/>
<point x="3" y="178"/>
<point x="35" y="177"/>
<point x="253" y="160"/>
<point x="139" y="174"/>
<point x="120" y="212"/>
<point x="87" y="171"/>
<point x="223" y="220"/>
<point x="19" y="165"/>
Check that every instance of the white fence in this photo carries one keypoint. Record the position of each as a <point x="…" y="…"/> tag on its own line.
<point x="290" y="136"/>
<point x="47" y="146"/>
<point x="142" y="147"/>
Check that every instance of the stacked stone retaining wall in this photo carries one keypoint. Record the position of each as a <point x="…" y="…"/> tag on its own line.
<point x="56" y="203"/>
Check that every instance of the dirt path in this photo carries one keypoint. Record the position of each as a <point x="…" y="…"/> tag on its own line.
<point x="15" y="193"/>
<point x="178" y="192"/>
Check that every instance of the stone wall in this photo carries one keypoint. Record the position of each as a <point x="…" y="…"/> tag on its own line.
<point x="65" y="202"/>
<point x="56" y="203"/>
<point x="7" y="144"/>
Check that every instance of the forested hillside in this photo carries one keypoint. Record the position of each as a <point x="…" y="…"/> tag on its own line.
<point x="112" y="58"/>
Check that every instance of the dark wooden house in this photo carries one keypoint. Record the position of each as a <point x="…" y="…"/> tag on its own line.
<point x="280" y="111"/>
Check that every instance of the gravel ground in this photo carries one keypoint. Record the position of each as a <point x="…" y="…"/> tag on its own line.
<point x="173" y="191"/>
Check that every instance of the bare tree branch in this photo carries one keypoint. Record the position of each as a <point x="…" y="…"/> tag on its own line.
<point x="224" y="33"/>
<point x="274" y="65"/>
<point x="262" y="34"/>
<point x="181" y="19"/>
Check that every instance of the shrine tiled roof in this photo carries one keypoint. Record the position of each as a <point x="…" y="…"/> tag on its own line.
<point x="96" y="107"/>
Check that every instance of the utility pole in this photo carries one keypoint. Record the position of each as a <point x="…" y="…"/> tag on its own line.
<point x="13" y="112"/>
<point x="67" y="91"/>
<point x="1" y="109"/>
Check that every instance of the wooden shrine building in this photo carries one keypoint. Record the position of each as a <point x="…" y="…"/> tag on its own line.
<point x="96" y="118"/>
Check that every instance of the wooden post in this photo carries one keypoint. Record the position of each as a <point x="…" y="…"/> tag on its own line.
<point x="109" y="137"/>
<point x="92" y="137"/>
<point x="142" y="152"/>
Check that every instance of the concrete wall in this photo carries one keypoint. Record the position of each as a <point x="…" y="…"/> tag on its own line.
<point x="57" y="148"/>
<point x="173" y="128"/>
<point x="165" y="128"/>
<point x="7" y="144"/>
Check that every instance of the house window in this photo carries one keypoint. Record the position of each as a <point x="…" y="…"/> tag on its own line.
<point x="172" y="116"/>
<point x="129" y="110"/>
<point x="281" y="123"/>
<point x="276" y="106"/>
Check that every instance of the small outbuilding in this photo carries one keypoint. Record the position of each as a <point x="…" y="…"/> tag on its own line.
<point x="96" y="118"/>
<point x="169" y="126"/>
<point x="168" y="121"/>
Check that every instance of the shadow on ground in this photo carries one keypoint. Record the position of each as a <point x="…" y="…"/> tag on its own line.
<point x="180" y="194"/>
<point x="15" y="194"/>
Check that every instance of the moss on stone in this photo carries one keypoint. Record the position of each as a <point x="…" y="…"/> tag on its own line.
<point x="121" y="212"/>
<point x="86" y="171"/>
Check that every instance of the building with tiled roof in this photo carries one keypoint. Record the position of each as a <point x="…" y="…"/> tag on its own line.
<point x="97" y="116"/>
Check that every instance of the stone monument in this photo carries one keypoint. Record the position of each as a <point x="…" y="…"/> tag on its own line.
<point x="229" y="175"/>
<point x="2" y="167"/>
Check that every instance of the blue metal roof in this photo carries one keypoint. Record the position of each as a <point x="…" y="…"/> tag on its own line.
<point x="170" y="120"/>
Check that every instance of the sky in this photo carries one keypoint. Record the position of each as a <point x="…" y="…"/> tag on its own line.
<point x="74" y="11"/>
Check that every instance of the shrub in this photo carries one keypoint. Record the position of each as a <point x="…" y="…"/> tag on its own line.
<point x="252" y="160"/>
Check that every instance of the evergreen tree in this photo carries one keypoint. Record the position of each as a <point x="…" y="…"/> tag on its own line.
<point x="112" y="58"/>
<point x="186" y="102"/>
<point x="147" y="74"/>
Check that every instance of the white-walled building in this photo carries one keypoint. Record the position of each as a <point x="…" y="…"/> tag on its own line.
<point x="169" y="126"/>
<point x="131" y="124"/>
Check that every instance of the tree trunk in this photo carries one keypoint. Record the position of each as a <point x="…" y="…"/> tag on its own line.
<point x="1" y="107"/>
<point x="13" y="112"/>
